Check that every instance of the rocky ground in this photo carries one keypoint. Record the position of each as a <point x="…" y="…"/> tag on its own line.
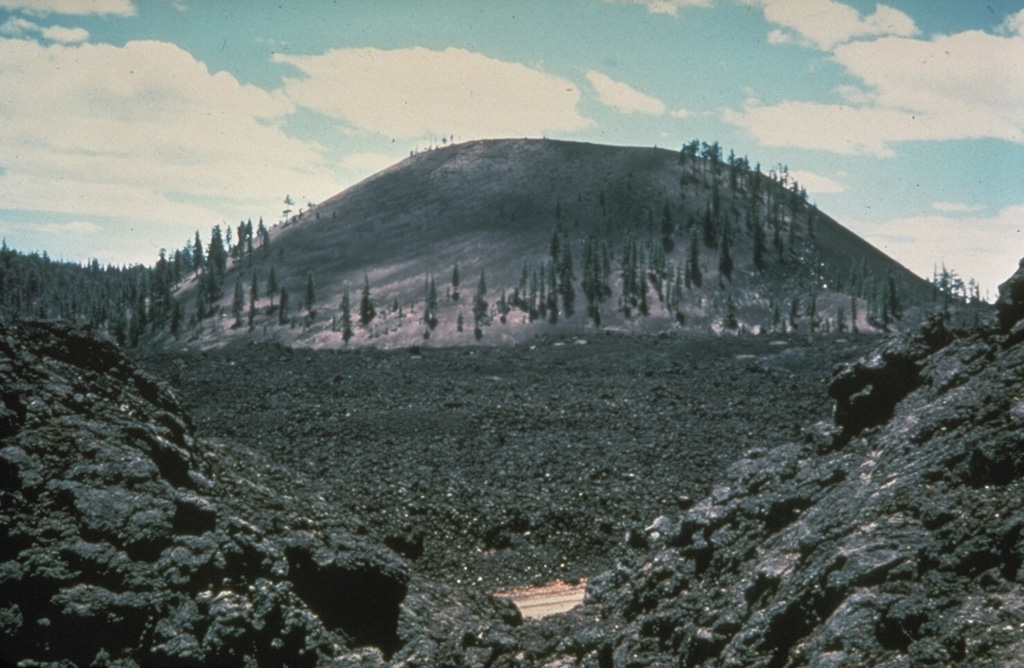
<point x="504" y="466"/>
<point x="888" y="533"/>
<point x="126" y="541"/>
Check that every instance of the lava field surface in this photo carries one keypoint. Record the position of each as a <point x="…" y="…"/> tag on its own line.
<point x="498" y="467"/>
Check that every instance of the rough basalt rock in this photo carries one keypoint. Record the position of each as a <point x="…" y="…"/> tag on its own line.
<point x="124" y="541"/>
<point x="894" y="536"/>
<point x="1010" y="303"/>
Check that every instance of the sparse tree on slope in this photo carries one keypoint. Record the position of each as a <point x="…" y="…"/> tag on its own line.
<point x="272" y="286"/>
<point x="367" y="311"/>
<point x="282" y="315"/>
<point x="238" y="303"/>
<point x="346" y="317"/>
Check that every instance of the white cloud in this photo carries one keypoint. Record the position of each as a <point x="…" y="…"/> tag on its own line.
<point x="986" y="249"/>
<point x="825" y="23"/>
<point x="63" y="35"/>
<point x="682" y="113"/>
<point x="957" y="207"/>
<point x="666" y="6"/>
<point x="1014" y="24"/>
<point x="17" y="26"/>
<point x="143" y="132"/>
<point x="816" y="184"/>
<point x="964" y="86"/>
<point x="77" y="7"/>
<point x="417" y="92"/>
<point x="624" y="97"/>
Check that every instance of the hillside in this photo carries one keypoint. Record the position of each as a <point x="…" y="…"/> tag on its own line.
<point x="652" y="238"/>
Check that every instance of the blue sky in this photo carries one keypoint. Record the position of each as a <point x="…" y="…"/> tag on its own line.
<point x="129" y="124"/>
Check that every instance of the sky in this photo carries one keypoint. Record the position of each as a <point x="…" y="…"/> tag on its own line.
<point x="127" y="125"/>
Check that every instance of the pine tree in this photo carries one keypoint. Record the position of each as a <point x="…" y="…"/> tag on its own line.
<point x="254" y="294"/>
<point x="197" y="254"/>
<point x="216" y="262"/>
<point x="346" y="317"/>
<point x="282" y="315"/>
<point x="175" y="319"/>
<point x="552" y="294"/>
<point x="272" y="286"/>
<point x="480" y="301"/>
<point x="759" y="246"/>
<point x="725" y="264"/>
<point x="455" y="283"/>
<point x="430" y="308"/>
<point x="238" y="303"/>
<point x="694" y="276"/>
<point x="367" y="311"/>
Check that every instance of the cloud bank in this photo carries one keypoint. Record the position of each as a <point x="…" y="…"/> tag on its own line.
<point x="416" y="92"/>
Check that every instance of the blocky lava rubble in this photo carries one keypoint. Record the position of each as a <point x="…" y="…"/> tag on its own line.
<point x="892" y="535"/>
<point x="124" y="541"/>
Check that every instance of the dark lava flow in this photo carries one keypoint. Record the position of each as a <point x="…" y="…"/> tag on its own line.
<point x="507" y="466"/>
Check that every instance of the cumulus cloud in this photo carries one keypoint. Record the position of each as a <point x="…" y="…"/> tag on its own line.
<point x="825" y="23"/>
<point x="137" y="131"/>
<point x="968" y="85"/>
<point x="417" y="92"/>
<point x="985" y="248"/>
<point x="76" y="7"/>
<point x="623" y="97"/>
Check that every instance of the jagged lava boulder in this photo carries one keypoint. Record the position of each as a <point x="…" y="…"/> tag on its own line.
<point x="891" y="537"/>
<point x="125" y="542"/>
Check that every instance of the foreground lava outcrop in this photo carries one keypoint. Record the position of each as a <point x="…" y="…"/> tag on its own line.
<point x="894" y="536"/>
<point x="123" y="540"/>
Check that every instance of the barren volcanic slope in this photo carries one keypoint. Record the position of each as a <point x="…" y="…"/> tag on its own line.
<point x="680" y="236"/>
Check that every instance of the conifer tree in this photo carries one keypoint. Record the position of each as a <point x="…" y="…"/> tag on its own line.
<point x="197" y="254"/>
<point x="175" y="319"/>
<point x="693" y="261"/>
<point x="759" y="246"/>
<point x="346" y="317"/>
<point x="455" y="283"/>
<point x="480" y="301"/>
<point x="254" y="294"/>
<point x="238" y="303"/>
<point x="282" y="315"/>
<point x="367" y="311"/>
<point x="725" y="264"/>
<point x="272" y="286"/>
<point x="430" y="308"/>
<point x="552" y="294"/>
